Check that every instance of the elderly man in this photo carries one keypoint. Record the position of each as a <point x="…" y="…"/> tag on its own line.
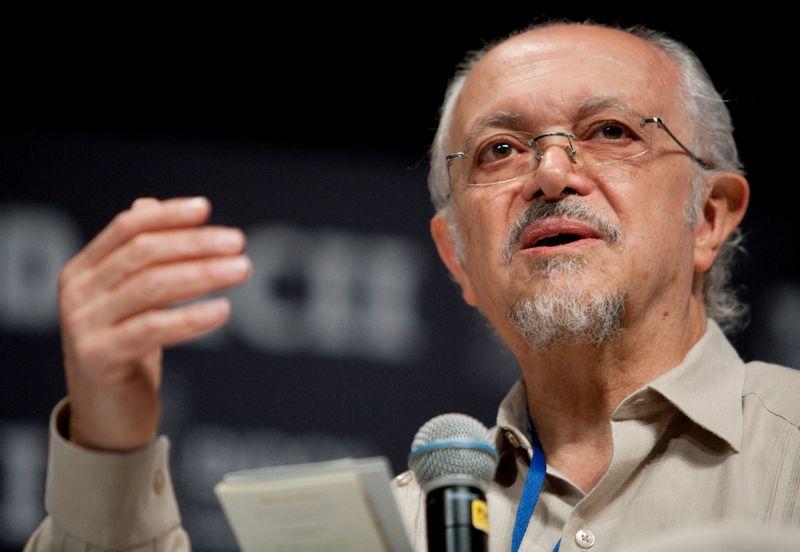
<point x="586" y="182"/>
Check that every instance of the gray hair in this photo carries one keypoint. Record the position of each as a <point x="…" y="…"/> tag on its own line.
<point x="712" y="139"/>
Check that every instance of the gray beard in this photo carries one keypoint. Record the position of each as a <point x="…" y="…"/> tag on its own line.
<point x="564" y="314"/>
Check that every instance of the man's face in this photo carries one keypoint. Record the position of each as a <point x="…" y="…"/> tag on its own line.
<point x="634" y="243"/>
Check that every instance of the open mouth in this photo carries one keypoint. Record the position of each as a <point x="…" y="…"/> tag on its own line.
<point x="558" y="239"/>
<point x="554" y="233"/>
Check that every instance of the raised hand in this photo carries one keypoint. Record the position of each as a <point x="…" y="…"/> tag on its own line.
<point x="116" y="315"/>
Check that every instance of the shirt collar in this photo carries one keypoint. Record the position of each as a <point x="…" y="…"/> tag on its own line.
<point x="510" y="435"/>
<point x="513" y="412"/>
<point x="707" y="386"/>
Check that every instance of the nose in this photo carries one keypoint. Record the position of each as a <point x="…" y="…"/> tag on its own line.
<point x="555" y="173"/>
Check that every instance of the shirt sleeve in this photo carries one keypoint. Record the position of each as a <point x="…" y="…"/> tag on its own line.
<point x="107" y="501"/>
<point x="411" y="504"/>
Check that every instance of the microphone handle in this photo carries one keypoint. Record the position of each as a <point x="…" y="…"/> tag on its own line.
<point x="457" y="519"/>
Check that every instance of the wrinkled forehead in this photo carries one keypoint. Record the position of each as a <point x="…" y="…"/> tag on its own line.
<point x="545" y="75"/>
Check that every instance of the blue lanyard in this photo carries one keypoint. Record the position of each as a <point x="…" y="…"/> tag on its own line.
<point x="530" y="493"/>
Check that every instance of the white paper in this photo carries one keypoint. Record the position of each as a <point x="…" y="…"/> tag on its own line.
<point x="342" y="505"/>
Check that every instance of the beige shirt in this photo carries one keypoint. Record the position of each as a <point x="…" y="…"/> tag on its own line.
<point x="713" y="440"/>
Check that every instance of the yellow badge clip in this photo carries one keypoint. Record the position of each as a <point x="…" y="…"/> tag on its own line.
<point x="480" y="516"/>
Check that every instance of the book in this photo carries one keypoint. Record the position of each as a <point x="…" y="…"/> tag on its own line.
<point x="343" y="505"/>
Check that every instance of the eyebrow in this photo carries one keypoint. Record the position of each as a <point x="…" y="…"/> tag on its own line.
<point x="594" y="105"/>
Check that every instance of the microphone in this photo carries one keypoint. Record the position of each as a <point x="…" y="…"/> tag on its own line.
<point x="453" y="461"/>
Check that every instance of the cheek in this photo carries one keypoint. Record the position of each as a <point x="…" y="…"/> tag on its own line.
<point x="485" y="215"/>
<point x="483" y="220"/>
<point x="652" y="216"/>
<point x="647" y="199"/>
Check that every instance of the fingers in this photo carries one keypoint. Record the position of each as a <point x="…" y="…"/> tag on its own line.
<point x="140" y="334"/>
<point x="156" y="248"/>
<point x="145" y="260"/>
<point x="143" y="202"/>
<point x="150" y="249"/>
<point x="160" y="286"/>
<point x="145" y="215"/>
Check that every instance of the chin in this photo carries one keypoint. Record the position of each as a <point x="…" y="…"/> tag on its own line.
<point x="566" y="265"/>
<point x="563" y="315"/>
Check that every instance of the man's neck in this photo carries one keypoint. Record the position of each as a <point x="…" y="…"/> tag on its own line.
<point x="573" y="390"/>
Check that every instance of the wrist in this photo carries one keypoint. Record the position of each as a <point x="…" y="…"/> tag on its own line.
<point x="86" y="435"/>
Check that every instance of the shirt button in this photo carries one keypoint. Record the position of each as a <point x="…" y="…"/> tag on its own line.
<point x="512" y="439"/>
<point x="403" y="479"/>
<point x="584" y="538"/>
<point x="158" y="482"/>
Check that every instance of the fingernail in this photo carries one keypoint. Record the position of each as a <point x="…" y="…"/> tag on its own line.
<point x="195" y="204"/>
<point x="229" y="240"/>
<point x="214" y="309"/>
<point x="235" y="266"/>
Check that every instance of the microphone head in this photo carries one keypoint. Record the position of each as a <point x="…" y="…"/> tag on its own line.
<point x="452" y="446"/>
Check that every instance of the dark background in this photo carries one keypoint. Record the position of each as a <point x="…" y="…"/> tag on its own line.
<point x="309" y="131"/>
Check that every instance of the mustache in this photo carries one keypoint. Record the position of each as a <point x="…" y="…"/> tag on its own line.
<point x="569" y="207"/>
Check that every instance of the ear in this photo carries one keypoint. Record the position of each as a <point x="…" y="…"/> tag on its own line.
<point x="724" y="205"/>
<point x="446" y="246"/>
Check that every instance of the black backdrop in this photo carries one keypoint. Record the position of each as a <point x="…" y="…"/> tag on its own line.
<point x="309" y="130"/>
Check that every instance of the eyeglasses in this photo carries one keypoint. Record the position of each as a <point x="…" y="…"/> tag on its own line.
<point x="509" y="155"/>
